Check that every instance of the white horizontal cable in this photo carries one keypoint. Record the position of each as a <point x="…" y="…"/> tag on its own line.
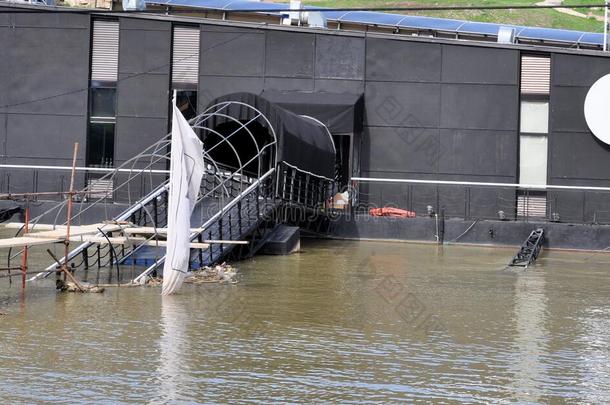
<point x="482" y="184"/>
<point x="82" y="169"/>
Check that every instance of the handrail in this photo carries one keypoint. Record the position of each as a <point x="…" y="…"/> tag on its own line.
<point x="123" y="216"/>
<point x="209" y="222"/>
<point x="482" y="184"/>
<point x="84" y="169"/>
<point x="306" y="172"/>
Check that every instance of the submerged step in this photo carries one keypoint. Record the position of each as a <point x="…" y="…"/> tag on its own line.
<point x="283" y="240"/>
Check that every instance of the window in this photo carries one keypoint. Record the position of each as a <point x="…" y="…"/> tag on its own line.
<point x="186" y="101"/>
<point x="533" y="159"/>
<point x="534" y="122"/>
<point x="102" y="118"/>
<point x="103" y="103"/>
<point x="534" y="117"/>
<point x="533" y="134"/>
<point x="100" y="144"/>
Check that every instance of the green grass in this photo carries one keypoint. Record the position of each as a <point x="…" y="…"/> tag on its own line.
<point x="535" y="18"/>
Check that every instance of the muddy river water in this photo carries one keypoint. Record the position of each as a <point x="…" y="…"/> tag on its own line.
<point x="340" y="322"/>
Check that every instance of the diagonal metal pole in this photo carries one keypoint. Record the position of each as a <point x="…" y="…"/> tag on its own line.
<point x="606" y="25"/>
<point x="70" y="201"/>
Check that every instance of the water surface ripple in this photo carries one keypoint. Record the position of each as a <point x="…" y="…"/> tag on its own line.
<point x="341" y="322"/>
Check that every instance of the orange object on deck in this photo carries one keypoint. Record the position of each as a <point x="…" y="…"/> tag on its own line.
<point x="391" y="212"/>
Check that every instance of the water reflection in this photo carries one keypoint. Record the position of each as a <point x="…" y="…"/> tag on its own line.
<point x="173" y="346"/>
<point x="596" y="354"/>
<point x="530" y="315"/>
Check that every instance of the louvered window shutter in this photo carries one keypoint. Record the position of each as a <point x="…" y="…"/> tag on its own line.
<point x="185" y="58"/>
<point x="105" y="51"/>
<point x="535" y="75"/>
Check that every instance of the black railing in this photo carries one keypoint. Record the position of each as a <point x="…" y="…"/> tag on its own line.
<point x="590" y="205"/>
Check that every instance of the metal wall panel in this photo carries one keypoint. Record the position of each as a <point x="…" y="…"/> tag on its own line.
<point x="231" y="52"/>
<point x="339" y="86"/>
<point x="5" y="75"/>
<point x="402" y="104"/>
<point x="44" y="136"/>
<point x="401" y="150"/>
<point x="402" y="61"/>
<point x="143" y="90"/>
<point x="289" y="54"/>
<point x="220" y="86"/>
<point x="339" y="57"/>
<point x="580" y="156"/>
<point x="578" y="70"/>
<point x="105" y="50"/>
<point x="467" y="64"/>
<point x="478" y="152"/>
<point x="576" y="156"/>
<point x="45" y="98"/>
<point x="471" y="106"/>
<point x="137" y="133"/>
<point x="289" y="84"/>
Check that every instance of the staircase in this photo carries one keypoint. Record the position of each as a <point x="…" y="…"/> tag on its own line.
<point x="529" y="250"/>
<point x="245" y="193"/>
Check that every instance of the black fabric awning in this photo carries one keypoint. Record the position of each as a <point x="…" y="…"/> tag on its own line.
<point x="341" y="113"/>
<point x="302" y="142"/>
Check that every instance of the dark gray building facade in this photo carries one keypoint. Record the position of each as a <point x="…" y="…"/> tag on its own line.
<point x="434" y="109"/>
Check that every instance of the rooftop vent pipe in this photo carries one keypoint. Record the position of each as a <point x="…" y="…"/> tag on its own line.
<point x="134" y="5"/>
<point x="506" y="35"/>
<point x="298" y="16"/>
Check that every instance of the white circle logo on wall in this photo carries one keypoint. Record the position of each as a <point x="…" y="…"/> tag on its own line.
<point x="597" y="109"/>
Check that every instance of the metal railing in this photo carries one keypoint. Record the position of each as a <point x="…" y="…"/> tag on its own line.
<point x="469" y="200"/>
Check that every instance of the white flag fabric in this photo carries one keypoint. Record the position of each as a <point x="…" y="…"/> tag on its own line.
<point x="186" y="172"/>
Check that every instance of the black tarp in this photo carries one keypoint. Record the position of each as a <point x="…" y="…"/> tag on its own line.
<point x="341" y="112"/>
<point x="302" y="142"/>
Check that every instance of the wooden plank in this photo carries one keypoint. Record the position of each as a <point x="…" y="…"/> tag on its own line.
<point x="149" y="230"/>
<point x="121" y="240"/>
<point x="76" y="231"/>
<point x="57" y="233"/>
<point x="26" y="241"/>
<point x="38" y="227"/>
<point x="163" y="231"/>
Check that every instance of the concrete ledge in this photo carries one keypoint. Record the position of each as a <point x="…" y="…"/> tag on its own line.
<point x="484" y="232"/>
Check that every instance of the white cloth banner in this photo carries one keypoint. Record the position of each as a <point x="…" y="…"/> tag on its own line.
<point x="186" y="172"/>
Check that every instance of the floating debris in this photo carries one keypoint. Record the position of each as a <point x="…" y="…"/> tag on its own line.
<point x="222" y="273"/>
<point x="69" y="286"/>
<point x="152" y="281"/>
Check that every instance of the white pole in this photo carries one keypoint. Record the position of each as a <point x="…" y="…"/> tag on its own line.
<point x="606" y="25"/>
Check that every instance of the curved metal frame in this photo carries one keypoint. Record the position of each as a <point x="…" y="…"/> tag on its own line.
<point x="140" y="173"/>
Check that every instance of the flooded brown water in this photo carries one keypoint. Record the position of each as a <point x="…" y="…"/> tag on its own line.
<point x="340" y="322"/>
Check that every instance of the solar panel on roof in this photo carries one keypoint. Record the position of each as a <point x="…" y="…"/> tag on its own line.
<point x="197" y="3"/>
<point x="549" y="34"/>
<point x="415" y="22"/>
<point x="215" y="4"/>
<point x="331" y="15"/>
<point x="592" y="38"/>
<point x="481" y="28"/>
<point x="254" y="5"/>
<point x="430" y="23"/>
<point x="369" y="17"/>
